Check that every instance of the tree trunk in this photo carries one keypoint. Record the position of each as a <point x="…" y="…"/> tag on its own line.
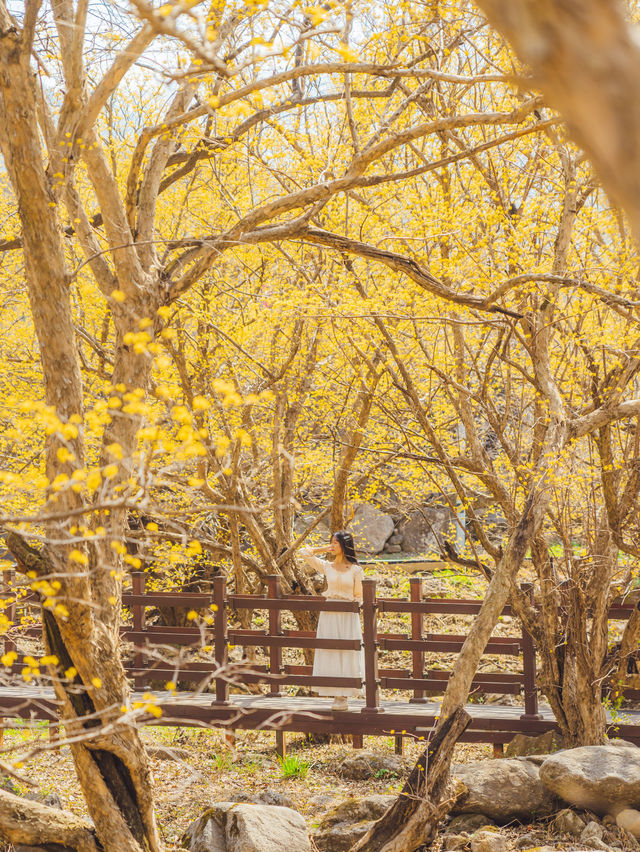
<point x="413" y="818"/>
<point x="82" y="629"/>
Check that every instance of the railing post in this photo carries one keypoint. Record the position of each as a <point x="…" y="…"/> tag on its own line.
<point x="529" y="667"/>
<point x="417" y="624"/>
<point x="275" y="629"/>
<point x="221" y="647"/>
<point x="370" y="633"/>
<point x="138" y="587"/>
<point x="10" y="611"/>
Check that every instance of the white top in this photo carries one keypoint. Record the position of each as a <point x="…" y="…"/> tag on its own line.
<point x="341" y="585"/>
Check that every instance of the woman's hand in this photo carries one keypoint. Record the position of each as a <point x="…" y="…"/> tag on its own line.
<point x="324" y="549"/>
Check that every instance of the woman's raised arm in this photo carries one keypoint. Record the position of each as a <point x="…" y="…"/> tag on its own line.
<point x="309" y="556"/>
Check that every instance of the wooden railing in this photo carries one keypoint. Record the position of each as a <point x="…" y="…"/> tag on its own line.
<point x="274" y="639"/>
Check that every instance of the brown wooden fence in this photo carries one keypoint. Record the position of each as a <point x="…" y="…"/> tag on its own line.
<point x="146" y="664"/>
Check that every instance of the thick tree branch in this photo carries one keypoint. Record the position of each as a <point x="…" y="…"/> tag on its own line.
<point x="23" y="822"/>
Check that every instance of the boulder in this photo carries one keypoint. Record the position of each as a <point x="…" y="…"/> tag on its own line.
<point x="369" y="764"/>
<point x="347" y="822"/>
<point x="468" y="823"/>
<point x="503" y="789"/>
<point x="370" y="528"/>
<point x="231" y="827"/>
<point x="568" y="822"/>
<point x="423" y="527"/>
<point x="488" y="841"/>
<point x="522" y="745"/>
<point x="602" y="779"/>
<point x="629" y="820"/>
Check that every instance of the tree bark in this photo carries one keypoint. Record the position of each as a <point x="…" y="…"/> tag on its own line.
<point x="412" y="819"/>
<point x="113" y="771"/>
<point x="23" y="822"/>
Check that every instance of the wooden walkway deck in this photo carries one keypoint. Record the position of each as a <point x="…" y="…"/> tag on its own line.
<point x="492" y="723"/>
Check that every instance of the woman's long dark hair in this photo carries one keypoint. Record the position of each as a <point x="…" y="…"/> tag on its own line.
<point x="345" y="540"/>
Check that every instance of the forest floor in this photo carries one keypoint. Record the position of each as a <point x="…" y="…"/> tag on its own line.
<point x="214" y="772"/>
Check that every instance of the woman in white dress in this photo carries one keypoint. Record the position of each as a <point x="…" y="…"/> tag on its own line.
<point x="344" y="583"/>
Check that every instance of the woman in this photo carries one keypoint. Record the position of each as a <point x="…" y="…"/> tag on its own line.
<point x="344" y="583"/>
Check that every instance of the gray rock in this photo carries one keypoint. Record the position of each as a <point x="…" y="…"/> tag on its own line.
<point x="488" y="841"/>
<point x="265" y="797"/>
<point x="531" y="840"/>
<point x="468" y="823"/>
<point x="522" y="745"/>
<point x="393" y="548"/>
<point x="232" y="827"/>
<point x="371" y="528"/>
<point x="596" y="844"/>
<point x="52" y="800"/>
<point x="369" y="764"/>
<point x="568" y="822"/>
<point x="160" y="752"/>
<point x="321" y="801"/>
<point x="592" y="836"/>
<point x="423" y="526"/>
<point x="503" y="789"/>
<point x="340" y="838"/>
<point x="348" y="821"/>
<point x="602" y="779"/>
<point x="454" y="842"/>
<point x="592" y="831"/>
<point x="354" y="810"/>
<point x="9" y="785"/>
<point x="433" y="586"/>
<point x="629" y="820"/>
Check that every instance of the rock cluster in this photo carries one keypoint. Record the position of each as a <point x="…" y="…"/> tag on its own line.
<point x="377" y="530"/>
<point x="595" y="781"/>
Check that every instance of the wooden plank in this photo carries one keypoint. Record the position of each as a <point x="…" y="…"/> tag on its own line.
<point x="437" y="685"/>
<point x="435" y="605"/>
<point x="291" y="642"/>
<point x="184" y="599"/>
<point x="444" y="646"/>
<point x="292" y="603"/>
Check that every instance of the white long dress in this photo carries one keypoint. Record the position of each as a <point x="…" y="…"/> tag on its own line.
<point x="338" y="625"/>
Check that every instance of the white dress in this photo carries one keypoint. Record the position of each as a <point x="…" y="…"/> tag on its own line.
<point x="338" y="625"/>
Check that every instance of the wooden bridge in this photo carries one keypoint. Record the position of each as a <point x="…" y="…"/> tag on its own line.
<point x="397" y="701"/>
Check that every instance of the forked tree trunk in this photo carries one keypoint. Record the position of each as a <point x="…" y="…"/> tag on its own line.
<point x="112" y="767"/>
